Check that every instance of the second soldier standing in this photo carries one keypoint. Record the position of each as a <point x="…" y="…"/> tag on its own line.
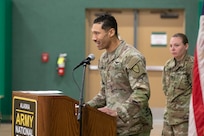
<point x="177" y="87"/>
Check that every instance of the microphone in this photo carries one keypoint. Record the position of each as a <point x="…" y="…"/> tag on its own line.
<point x="87" y="60"/>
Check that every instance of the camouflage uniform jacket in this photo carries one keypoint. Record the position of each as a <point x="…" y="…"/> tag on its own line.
<point x="177" y="87"/>
<point x="125" y="88"/>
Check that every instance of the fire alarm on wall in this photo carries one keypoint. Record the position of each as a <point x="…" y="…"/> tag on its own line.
<point x="44" y="57"/>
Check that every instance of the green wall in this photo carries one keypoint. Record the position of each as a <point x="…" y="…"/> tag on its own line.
<point x="2" y="46"/>
<point x="58" y="26"/>
<point x="5" y="59"/>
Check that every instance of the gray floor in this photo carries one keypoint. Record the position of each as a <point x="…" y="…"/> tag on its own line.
<point x="5" y="128"/>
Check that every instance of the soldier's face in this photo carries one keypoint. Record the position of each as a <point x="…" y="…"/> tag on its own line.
<point x="100" y="37"/>
<point x="177" y="48"/>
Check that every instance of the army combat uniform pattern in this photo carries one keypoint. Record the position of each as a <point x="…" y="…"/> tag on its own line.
<point x="177" y="87"/>
<point x="125" y="88"/>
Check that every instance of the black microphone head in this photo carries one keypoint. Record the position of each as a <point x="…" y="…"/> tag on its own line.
<point x="91" y="56"/>
<point x="86" y="61"/>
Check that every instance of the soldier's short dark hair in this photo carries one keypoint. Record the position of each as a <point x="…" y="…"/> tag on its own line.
<point x="108" y="22"/>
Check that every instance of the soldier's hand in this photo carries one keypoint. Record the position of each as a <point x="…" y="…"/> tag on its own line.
<point x="108" y="111"/>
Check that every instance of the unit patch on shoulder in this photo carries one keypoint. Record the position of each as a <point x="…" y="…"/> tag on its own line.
<point x="136" y="69"/>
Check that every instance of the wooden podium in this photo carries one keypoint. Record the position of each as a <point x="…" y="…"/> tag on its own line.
<point x="54" y="114"/>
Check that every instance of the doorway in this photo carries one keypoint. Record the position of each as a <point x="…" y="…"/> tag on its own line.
<point x="140" y="25"/>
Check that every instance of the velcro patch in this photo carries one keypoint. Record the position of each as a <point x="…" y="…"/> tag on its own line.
<point x="132" y="63"/>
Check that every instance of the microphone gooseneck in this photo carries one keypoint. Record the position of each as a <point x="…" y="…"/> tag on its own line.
<point x="86" y="61"/>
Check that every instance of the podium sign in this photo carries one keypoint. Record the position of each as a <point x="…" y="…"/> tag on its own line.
<point x="24" y="116"/>
<point x="45" y="113"/>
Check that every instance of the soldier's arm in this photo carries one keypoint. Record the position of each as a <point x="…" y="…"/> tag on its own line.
<point x="139" y="83"/>
<point x="99" y="100"/>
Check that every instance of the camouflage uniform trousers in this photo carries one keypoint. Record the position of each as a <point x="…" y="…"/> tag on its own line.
<point x="142" y="134"/>
<point x="175" y="130"/>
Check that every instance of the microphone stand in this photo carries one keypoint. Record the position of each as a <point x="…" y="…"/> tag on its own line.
<point x="81" y="101"/>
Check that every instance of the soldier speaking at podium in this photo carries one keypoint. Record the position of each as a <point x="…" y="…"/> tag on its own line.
<point x="125" y="89"/>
